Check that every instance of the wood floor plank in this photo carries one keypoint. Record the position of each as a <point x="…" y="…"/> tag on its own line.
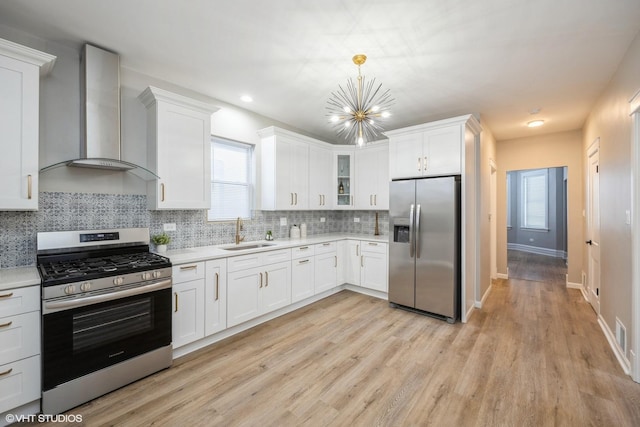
<point x="534" y="355"/>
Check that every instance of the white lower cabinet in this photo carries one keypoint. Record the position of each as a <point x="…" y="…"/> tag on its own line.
<point x="19" y="347"/>
<point x="302" y="272"/>
<point x="326" y="266"/>
<point x="254" y="291"/>
<point x="188" y="303"/>
<point x="366" y="264"/>
<point x="215" y="296"/>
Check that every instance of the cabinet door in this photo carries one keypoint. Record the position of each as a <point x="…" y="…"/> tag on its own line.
<point x="405" y="156"/>
<point x="183" y="158"/>
<point x="188" y="312"/>
<point x="344" y="179"/>
<point x="215" y="295"/>
<point x="302" y="278"/>
<point x="276" y="292"/>
<point x="366" y="164"/>
<point x="19" y="96"/>
<point x="19" y="336"/>
<point x="381" y="197"/>
<point x="243" y="295"/>
<point x="442" y="151"/>
<point x="300" y="176"/>
<point x="320" y="188"/>
<point x="352" y="265"/>
<point x="326" y="271"/>
<point x="20" y="383"/>
<point x="374" y="270"/>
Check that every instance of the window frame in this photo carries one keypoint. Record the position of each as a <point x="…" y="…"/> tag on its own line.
<point x="250" y="182"/>
<point x="524" y="176"/>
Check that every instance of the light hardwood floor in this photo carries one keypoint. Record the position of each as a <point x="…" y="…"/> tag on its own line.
<point x="541" y="268"/>
<point x="534" y="355"/>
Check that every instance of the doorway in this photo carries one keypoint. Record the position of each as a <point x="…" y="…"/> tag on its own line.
<point x="537" y="224"/>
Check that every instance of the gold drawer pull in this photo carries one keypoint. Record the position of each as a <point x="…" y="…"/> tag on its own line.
<point x="373" y="244"/>
<point x="326" y="244"/>
<point x="188" y="267"/>
<point x="6" y="372"/>
<point x="217" y="286"/>
<point x="4" y="325"/>
<point x="176" y="297"/>
<point x="7" y="295"/>
<point x="303" y="261"/>
<point x="29" y="186"/>
<point x="162" y="192"/>
<point x="304" y="248"/>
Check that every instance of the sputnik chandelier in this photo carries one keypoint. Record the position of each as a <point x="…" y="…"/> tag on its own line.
<point x="356" y="110"/>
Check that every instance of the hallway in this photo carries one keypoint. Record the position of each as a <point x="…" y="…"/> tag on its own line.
<point x="540" y="268"/>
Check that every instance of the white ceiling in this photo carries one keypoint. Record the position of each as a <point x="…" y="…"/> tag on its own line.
<point x="439" y="58"/>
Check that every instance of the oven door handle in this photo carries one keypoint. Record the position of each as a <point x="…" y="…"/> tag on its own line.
<point x="53" y="306"/>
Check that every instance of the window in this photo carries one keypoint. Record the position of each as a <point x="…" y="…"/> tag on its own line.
<point x="231" y="180"/>
<point x="509" y="207"/>
<point x="534" y="199"/>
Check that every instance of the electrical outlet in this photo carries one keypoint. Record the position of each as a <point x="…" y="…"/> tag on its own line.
<point x="169" y="227"/>
<point x="283" y="222"/>
<point x="628" y="217"/>
<point x="322" y="219"/>
<point x="356" y="219"/>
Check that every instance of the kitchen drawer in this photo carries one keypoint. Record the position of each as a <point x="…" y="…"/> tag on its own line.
<point x="258" y="259"/>
<point x="19" y="337"/>
<point x="18" y="301"/>
<point x="377" y="247"/>
<point x="323" y="248"/>
<point x="19" y="383"/>
<point x="302" y="252"/>
<point x="187" y="272"/>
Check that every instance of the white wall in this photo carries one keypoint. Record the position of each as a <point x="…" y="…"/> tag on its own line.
<point x="610" y="121"/>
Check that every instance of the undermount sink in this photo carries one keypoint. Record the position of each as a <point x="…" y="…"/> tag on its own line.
<point x="243" y="247"/>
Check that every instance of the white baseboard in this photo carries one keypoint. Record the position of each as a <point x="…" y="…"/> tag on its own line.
<point x="572" y="285"/>
<point x="502" y="276"/>
<point x="622" y="359"/>
<point x="468" y="314"/>
<point x="537" y="250"/>
<point x="480" y="303"/>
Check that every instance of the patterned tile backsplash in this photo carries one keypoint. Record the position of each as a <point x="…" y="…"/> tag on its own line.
<point x="82" y="211"/>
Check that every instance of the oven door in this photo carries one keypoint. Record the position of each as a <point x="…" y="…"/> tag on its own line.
<point x="81" y="336"/>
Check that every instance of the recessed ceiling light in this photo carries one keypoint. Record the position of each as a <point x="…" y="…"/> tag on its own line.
<point x="246" y="98"/>
<point x="535" y="123"/>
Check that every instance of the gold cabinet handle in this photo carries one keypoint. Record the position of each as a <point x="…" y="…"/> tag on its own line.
<point x="189" y="267"/>
<point x="260" y="279"/>
<point x="4" y="325"/>
<point x="357" y="248"/>
<point x="266" y="274"/>
<point x="361" y="260"/>
<point x="217" y="286"/>
<point x="336" y="260"/>
<point x="425" y="163"/>
<point x="162" y="192"/>
<point x="6" y="372"/>
<point x="176" y="300"/>
<point x="29" y="186"/>
<point x="419" y="164"/>
<point x="7" y="295"/>
<point x="304" y="261"/>
<point x="303" y="248"/>
<point x="373" y="244"/>
<point x="375" y="200"/>
<point x="291" y="199"/>
<point x="370" y="199"/>
<point x="296" y="199"/>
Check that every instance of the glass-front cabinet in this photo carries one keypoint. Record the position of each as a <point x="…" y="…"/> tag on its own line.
<point x="344" y="173"/>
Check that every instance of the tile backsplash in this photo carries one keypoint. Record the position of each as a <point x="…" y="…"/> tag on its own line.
<point x="82" y="211"/>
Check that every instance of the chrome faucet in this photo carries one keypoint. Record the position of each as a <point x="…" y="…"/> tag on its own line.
<point x="238" y="229"/>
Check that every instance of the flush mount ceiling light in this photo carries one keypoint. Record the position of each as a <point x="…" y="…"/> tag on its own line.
<point x="535" y="123"/>
<point x="355" y="111"/>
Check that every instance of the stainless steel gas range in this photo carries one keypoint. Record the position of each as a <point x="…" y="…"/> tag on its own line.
<point x="106" y="313"/>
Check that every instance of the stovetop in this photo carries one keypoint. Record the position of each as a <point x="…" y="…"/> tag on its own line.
<point x="57" y="270"/>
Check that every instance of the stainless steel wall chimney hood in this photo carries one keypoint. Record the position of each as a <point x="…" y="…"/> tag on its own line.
<point x="100" y="147"/>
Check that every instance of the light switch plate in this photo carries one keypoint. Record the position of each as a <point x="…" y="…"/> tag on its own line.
<point x="322" y="219"/>
<point x="169" y="227"/>
<point x="356" y="219"/>
<point x="283" y="222"/>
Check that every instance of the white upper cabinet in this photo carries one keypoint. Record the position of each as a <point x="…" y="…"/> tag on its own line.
<point x="344" y="181"/>
<point x="296" y="171"/>
<point x="372" y="177"/>
<point x="320" y="188"/>
<point x="20" y="71"/>
<point x="178" y="150"/>
<point x="430" y="149"/>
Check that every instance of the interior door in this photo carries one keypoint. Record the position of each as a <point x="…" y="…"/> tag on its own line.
<point x="593" y="226"/>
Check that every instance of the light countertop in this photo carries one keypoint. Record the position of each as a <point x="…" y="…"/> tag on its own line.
<point x="18" y="277"/>
<point x="202" y="253"/>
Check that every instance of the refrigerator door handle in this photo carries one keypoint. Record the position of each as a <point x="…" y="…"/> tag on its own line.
<point x="411" y="238"/>
<point x="418" y="232"/>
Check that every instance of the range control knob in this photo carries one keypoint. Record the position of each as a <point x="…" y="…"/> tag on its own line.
<point x="146" y="275"/>
<point x="118" y="281"/>
<point x="85" y="287"/>
<point x="69" y="289"/>
<point x="157" y="274"/>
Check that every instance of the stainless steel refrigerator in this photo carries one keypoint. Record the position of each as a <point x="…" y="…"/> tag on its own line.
<point x="424" y="245"/>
